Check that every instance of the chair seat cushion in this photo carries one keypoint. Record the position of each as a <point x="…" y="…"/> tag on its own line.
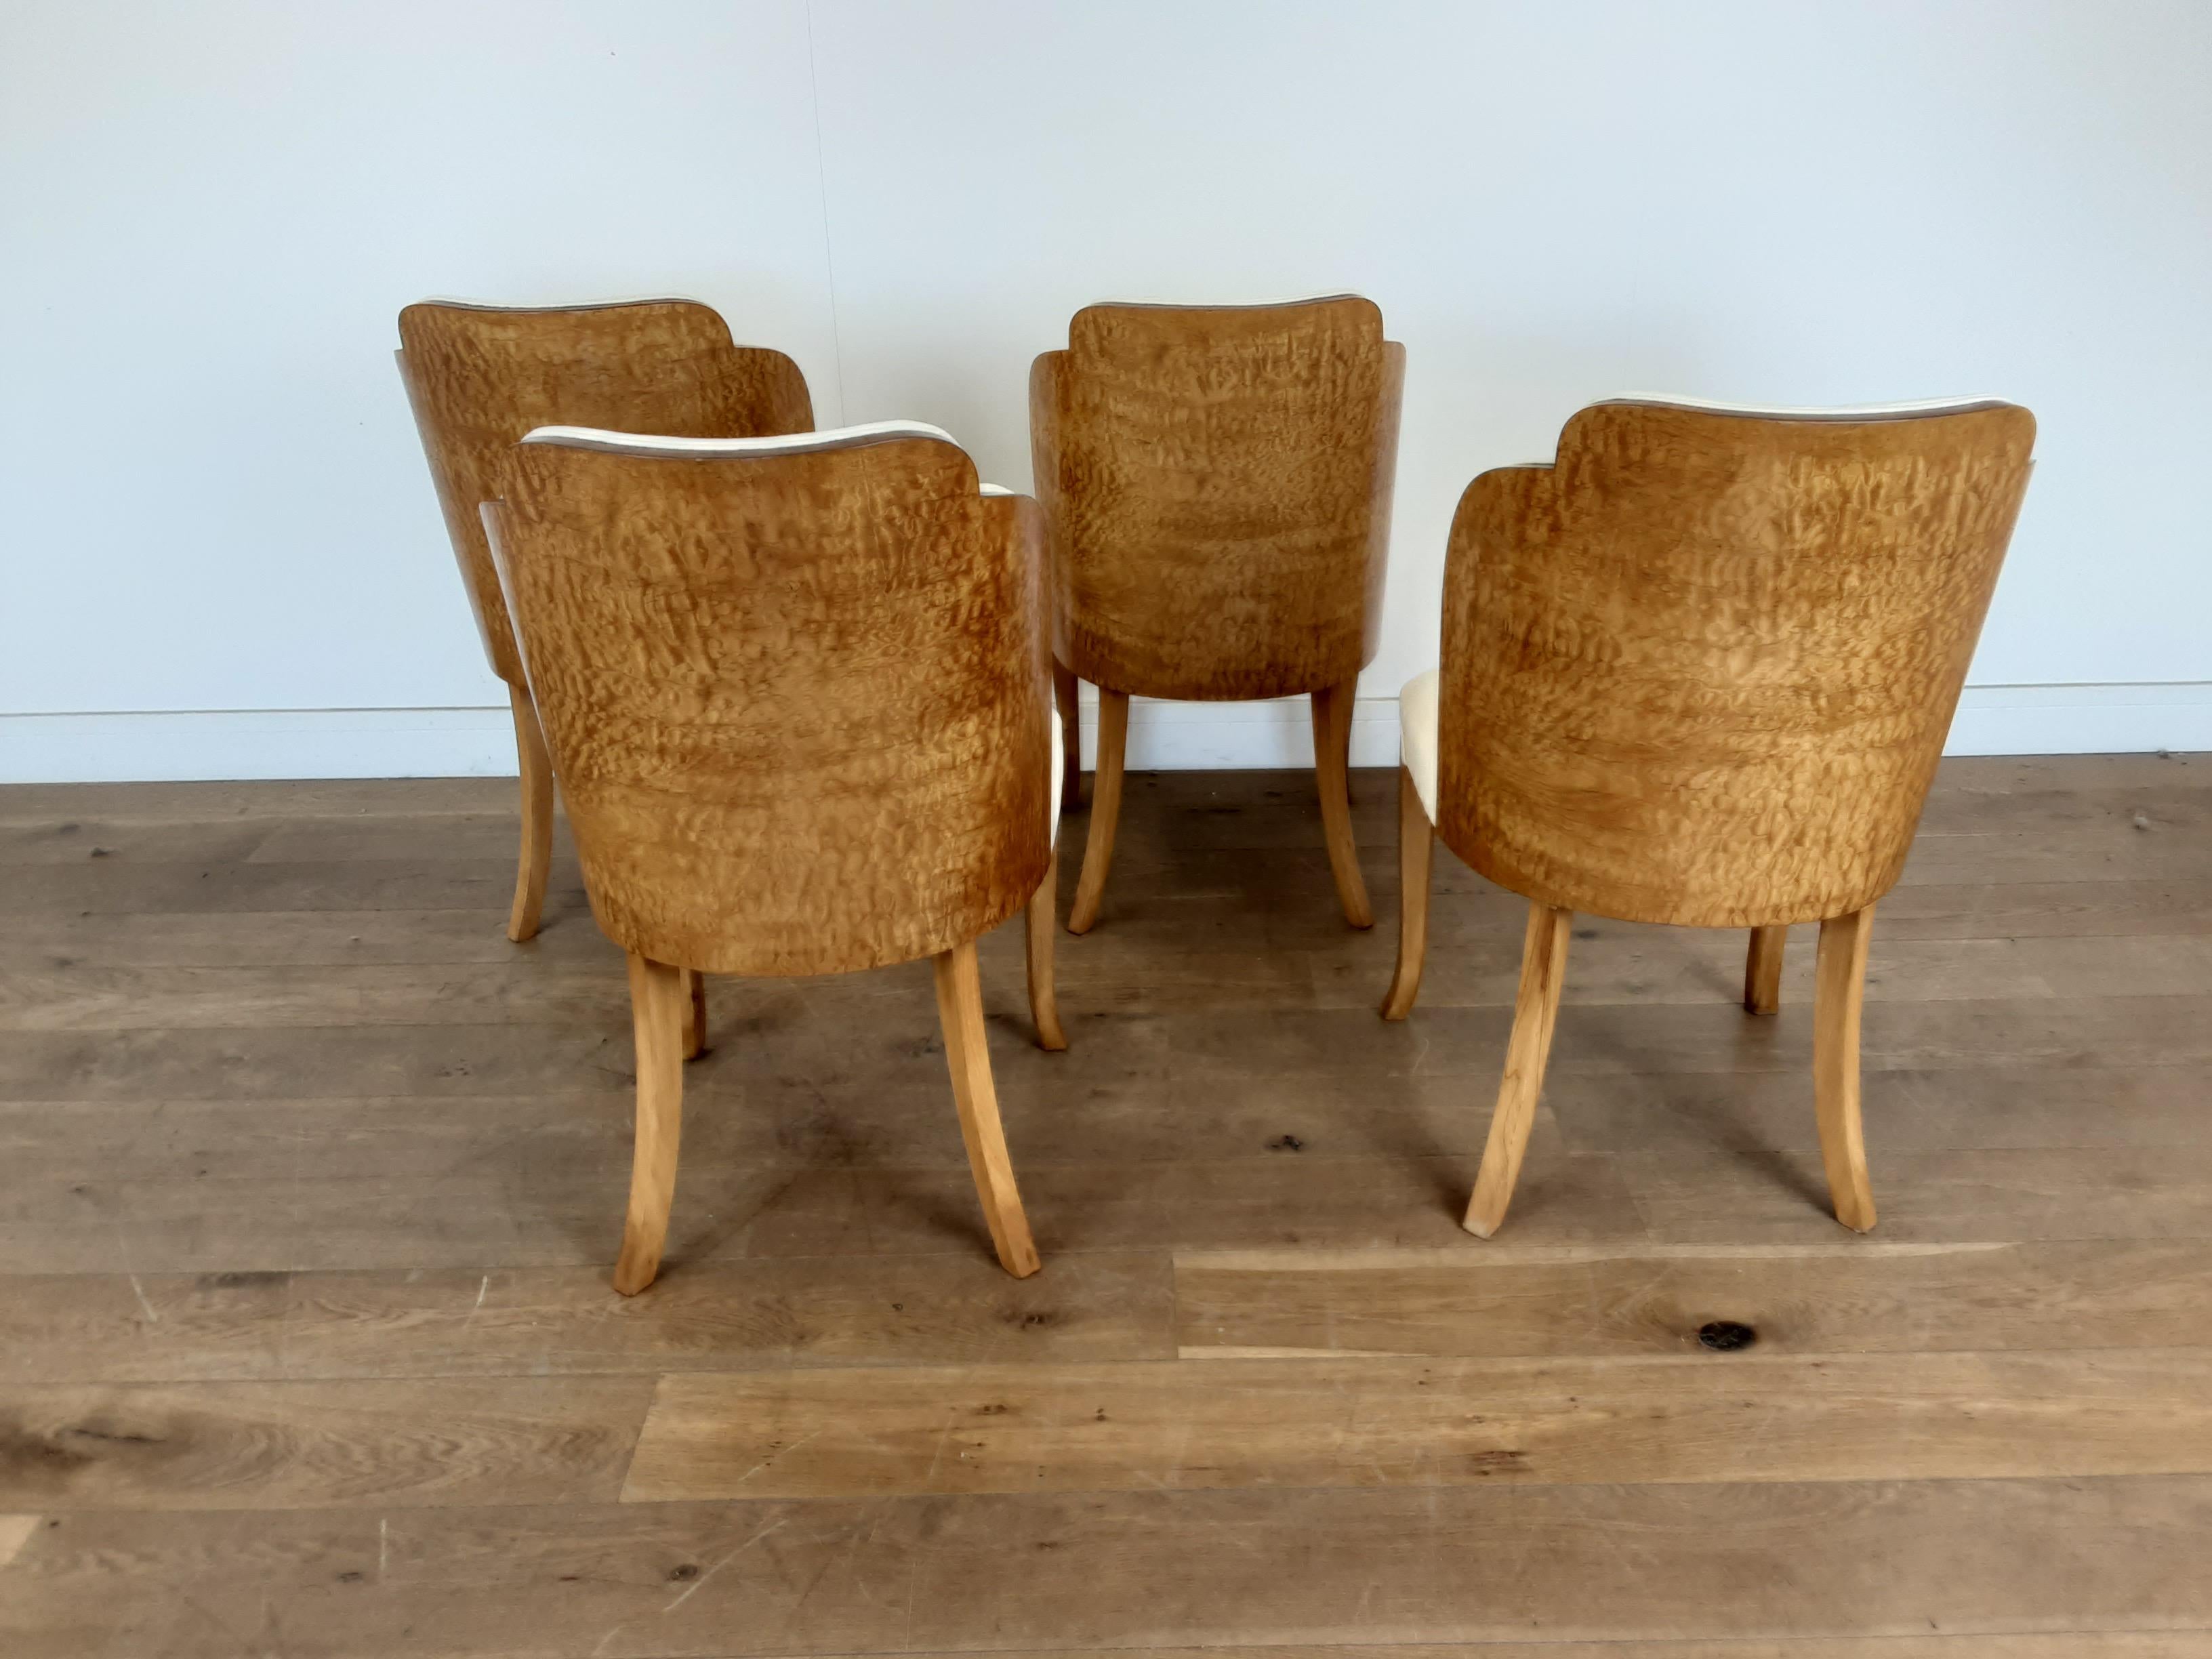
<point x="1417" y="735"/>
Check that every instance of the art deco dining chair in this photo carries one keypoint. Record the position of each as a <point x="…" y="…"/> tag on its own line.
<point x="479" y="377"/>
<point x="797" y="695"/>
<point x="1699" y="671"/>
<point x="1216" y="483"/>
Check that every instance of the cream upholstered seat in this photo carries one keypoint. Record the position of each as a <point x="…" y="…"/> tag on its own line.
<point x="1417" y="736"/>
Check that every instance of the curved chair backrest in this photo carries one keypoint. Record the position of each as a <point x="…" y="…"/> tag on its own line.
<point x="795" y="690"/>
<point x="1216" y="482"/>
<point x="481" y="376"/>
<point x="1700" y="670"/>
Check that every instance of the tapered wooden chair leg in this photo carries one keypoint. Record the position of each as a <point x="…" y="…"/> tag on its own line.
<point x="537" y="856"/>
<point x="658" y="1002"/>
<point x="1105" y="810"/>
<point x="1840" y="990"/>
<point x="1416" y="839"/>
<point x="695" y="1013"/>
<point x="1762" y="970"/>
<point x="1039" y="922"/>
<point x="1332" y="729"/>
<point x="1071" y="736"/>
<point x="960" y="1011"/>
<point x="1535" y="1009"/>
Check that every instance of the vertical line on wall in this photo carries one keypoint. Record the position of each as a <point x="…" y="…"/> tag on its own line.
<point x="822" y="178"/>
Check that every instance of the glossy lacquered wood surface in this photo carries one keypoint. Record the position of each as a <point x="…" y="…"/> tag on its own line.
<point x="1217" y="480"/>
<point x="481" y="376"/>
<point x="1700" y="670"/>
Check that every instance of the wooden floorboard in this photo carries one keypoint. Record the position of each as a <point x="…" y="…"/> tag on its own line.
<point x="310" y="1183"/>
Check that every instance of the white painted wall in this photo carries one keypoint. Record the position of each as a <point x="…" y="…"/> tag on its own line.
<point x="211" y="212"/>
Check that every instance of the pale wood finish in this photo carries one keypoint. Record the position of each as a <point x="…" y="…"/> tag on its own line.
<point x="1535" y="1010"/>
<point x="1071" y="736"/>
<point x="1417" y="839"/>
<point x="1699" y="671"/>
<point x="1217" y="483"/>
<point x="1762" y="970"/>
<point x="536" y="859"/>
<point x="838" y="652"/>
<point x="1839" y="992"/>
<point x="307" y="1345"/>
<point x="1379" y="1422"/>
<point x="1105" y="811"/>
<point x="1332" y="729"/>
<point x="1039" y="922"/>
<point x="479" y="377"/>
<point x="798" y="702"/>
<point x="695" y="1013"/>
<point x="660" y="1002"/>
<point x="967" y="1055"/>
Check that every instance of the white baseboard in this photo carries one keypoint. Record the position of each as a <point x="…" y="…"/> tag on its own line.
<point x="425" y="743"/>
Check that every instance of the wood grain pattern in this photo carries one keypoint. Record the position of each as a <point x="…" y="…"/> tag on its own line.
<point x="1699" y="671"/>
<point x="798" y="702"/>
<point x="1214" y="1425"/>
<point x="293" y="1140"/>
<point x="479" y="377"/>
<point x="1001" y="1573"/>
<point x="1600" y="1300"/>
<point x="1217" y="479"/>
<point x="327" y="1444"/>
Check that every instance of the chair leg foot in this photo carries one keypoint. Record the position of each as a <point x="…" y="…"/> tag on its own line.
<point x="1762" y="970"/>
<point x="1332" y="729"/>
<point x="1071" y="736"/>
<point x="1416" y="839"/>
<point x="537" y="854"/>
<point x="1038" y="922"/>
<point x="1535" y="1010"/>
<point x="658" y="1002"/>
<point x="1839" y="996"/>
<point x="1105" y="810"/>
<point x="960" y="1011"/>
<point x="695" y="1013"/>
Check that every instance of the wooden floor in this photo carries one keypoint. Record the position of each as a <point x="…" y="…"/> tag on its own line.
<point x="310" y="1183"/>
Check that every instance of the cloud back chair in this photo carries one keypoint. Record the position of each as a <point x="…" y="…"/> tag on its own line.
<point x="1217" y="483"/>
<point x="1699" y="671"/>
<point x="479" y="377"/>
<point x="798" y="695"/>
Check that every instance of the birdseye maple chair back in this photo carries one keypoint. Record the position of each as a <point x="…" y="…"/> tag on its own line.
<point x="1699" y="671"/>
<point x="797" y="693"/>
<point x="1217" y="483"/>
<point x="479" y="377"/>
